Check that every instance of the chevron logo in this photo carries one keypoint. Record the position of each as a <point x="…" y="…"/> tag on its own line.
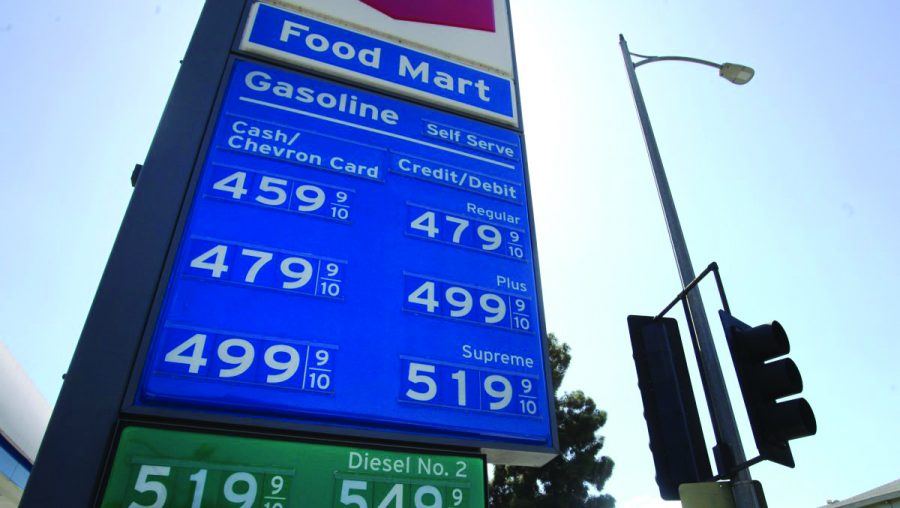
<point x="474" y="14"/>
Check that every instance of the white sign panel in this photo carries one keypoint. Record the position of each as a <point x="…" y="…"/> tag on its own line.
<point x="453" y="75"/>
<point x="481" y="46"/>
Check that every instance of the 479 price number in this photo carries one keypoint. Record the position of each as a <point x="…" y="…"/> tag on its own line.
<point x="264" y="267"/>
<point x="467" y="233"/>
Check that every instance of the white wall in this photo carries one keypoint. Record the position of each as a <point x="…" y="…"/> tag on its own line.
<point x="24" y="412"/>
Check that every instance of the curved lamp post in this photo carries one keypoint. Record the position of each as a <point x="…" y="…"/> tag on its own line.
<point x="736" y="73"/>
<point x="729" y="452"/>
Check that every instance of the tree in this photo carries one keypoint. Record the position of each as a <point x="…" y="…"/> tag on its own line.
<point x="565" y="482"/>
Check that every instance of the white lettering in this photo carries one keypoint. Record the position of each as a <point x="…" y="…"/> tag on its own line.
<point x="259" y="86"/>
<point x="259" y="81"/>
<point x="370" y="57"/>
<point x="340" y="164"/>
<point x="421" y="69"/>
<point x="317" y="42"/>
<point x="344" y="50"/>
<point x="441" y="79"/>
<point x="366" y="462"/>
<point x="289" y="28"/>
<point x="508" y="283"/>
<point x="489" y="146"/>
<point x="495" y="357"/>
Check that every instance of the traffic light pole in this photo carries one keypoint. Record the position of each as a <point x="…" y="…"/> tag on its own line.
<point x="729" y="450"/>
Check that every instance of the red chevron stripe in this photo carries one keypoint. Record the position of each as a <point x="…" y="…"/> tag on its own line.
<point x="474" y="14"/>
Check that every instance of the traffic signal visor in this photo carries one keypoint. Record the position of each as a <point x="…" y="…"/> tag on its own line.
<point x="765" y="378"/>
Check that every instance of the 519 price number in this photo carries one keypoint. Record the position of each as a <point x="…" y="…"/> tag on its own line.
<point x="262" y="267"/>
<point x="158" y="486"/>
<point x="296" y="196"/>
<point x="474" y="305"/>
<point x="466" y="388"/>
<point x="472" y="234"/>
<point x="256" y="361"/>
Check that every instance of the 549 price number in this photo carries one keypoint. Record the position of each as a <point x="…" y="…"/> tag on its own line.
<point x="370" y="494"/>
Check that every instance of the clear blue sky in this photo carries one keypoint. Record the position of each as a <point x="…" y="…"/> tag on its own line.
<point x="790" y="183"/>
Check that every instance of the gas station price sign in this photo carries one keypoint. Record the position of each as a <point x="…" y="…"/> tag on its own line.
<point x="306" y="257"/>
<point x="173" y="469"/>
<point x="356" y="260"/>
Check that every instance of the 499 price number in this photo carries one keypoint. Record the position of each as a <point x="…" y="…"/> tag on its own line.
<point x="462" y="387"/>
<point x="298" y="196"/>
<point x="469" y="304"/>
<point x="256" y="361"/>
<point x="263" y="267"/>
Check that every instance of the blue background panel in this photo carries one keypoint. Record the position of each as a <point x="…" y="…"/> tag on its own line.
<point x="282" y="130"/>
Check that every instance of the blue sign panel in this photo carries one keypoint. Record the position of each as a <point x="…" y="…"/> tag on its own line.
<point x="352" y="259"/>
<point x="307" y="41"/>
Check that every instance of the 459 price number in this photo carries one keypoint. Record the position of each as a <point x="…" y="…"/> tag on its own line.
<point x="466" y="388"/>
<point x="292" y="195"/>
<point x="474" y="305"/>
<point x="262" y="267"/>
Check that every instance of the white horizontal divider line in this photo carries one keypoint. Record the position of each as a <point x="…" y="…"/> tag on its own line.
<point x="376" y="131"/>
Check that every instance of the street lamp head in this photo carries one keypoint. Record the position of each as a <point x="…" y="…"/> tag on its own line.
<point x="736" y="73"/>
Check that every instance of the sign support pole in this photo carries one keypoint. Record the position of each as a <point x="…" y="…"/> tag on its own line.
<point x="73" y="454"/>
<point x="729" y="451"/>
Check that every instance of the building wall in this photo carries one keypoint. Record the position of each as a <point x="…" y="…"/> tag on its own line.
<point x="24" y="414"/>
<point x="10" y="494"/>
<point x="14" y="467"/>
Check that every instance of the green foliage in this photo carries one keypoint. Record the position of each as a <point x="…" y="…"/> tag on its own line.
<point x="569" y="480"/>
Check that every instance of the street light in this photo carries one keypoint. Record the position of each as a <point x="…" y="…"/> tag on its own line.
<point x="736" y="73"/>
<point x="729" y="452"/>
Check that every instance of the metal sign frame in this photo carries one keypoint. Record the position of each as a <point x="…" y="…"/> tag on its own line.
<point x="540" y="453"/>
<point x="285" y="437"/>
<point x="96" y="398"/>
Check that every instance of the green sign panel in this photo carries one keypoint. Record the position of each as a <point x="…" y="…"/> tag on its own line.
<point x="168" y="469"/>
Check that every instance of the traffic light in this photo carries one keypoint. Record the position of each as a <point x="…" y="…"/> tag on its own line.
<point x="676" y="439"/>
<point x="765" y="378"/>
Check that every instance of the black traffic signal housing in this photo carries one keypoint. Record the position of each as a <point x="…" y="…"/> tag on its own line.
<point x="676" y="438"/>
<point x="765" y="378"/>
